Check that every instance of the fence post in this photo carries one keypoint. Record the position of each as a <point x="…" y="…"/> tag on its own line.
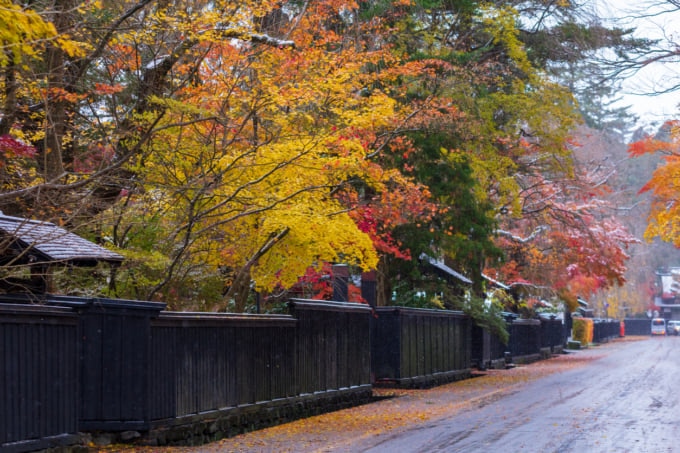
<point x="114" y="337"/>
<point x="333" y="345"/>
<point x="420" y="347"/>
<point x="38" y="377"/>
<point x="340" y="282"/>
<point x="369" y="286"/>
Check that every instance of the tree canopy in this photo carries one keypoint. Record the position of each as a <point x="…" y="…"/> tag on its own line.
<point x="225" y="147"/>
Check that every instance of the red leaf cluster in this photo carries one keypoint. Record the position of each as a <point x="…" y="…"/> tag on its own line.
<point x="10" y="148"/>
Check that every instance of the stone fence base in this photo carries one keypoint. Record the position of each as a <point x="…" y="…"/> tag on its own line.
<point x="211" y="426"/>
<point x="427" y="381"/>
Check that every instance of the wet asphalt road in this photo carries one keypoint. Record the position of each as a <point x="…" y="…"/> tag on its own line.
<point x="626" y="401"/>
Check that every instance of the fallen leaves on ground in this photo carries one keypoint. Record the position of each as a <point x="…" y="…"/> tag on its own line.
<point x="400" y="408"/>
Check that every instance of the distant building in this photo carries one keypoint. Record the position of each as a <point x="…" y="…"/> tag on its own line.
<point x="667" y="293"/>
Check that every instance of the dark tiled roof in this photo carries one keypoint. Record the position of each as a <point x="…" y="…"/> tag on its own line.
<point x="46" y="242"/>
<point x="439" y="264"/>
<point x="495" y="282"/>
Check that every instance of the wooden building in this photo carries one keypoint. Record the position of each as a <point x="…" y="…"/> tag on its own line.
<point x="30" y="248"/>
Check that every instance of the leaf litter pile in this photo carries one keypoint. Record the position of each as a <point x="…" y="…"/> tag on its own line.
<point x="395" y="409"/>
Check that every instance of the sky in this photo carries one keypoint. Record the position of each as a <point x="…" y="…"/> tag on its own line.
<point x="642" y="15"/>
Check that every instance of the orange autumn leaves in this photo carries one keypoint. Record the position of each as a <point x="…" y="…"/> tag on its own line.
<point x="399" y="409"/>
<point x="250" y="140"/>
<point x="664" y="218"/>
<point x="257" y="165"/>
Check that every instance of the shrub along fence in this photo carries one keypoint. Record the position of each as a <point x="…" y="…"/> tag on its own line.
<point x="582" y="330"/>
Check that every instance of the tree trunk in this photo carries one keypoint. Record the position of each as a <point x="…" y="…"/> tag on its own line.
<point x="58" y="83"/>
<point x="383" y="288"/>
<point x="240" y="288"/>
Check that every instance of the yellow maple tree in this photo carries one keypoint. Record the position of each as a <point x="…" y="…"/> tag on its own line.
<point x="244" y="167"/>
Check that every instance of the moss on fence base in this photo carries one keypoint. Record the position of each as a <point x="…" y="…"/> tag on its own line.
<point x="426" y="381"/>
<point x="573" y="344"/>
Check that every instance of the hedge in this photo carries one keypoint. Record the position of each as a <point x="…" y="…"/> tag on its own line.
<point x="582" y="330"/>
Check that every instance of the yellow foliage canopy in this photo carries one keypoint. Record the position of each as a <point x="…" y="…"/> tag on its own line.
<point x="257" y="152"/>
<point x="20" y="32"/>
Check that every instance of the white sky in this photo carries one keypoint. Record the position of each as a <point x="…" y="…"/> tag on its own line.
<point x="653" y="110"/>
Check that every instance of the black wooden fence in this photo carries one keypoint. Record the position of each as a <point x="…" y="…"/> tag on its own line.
<point x="525" y="337"/>
<point x="38" y="377"/>
<point x="553" y="334"/>
<point x="78" y="364"/>
<point x="114" y="363"/>
<point x="638" y="326"/>
<point x="333" y="344"/>
<point x="416" y="347"/>
<point x="605" y="329"/>
<point x="88" y="364"/>
<point x="204" y="362"/>
<point x="529" y="339"/>
<point x="487" y="349"/>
